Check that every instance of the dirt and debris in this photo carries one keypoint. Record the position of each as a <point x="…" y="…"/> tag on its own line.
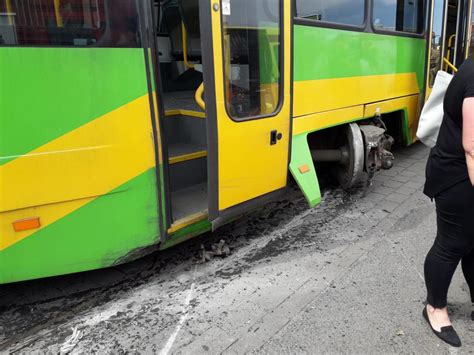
<point x="220" y="249"/>
<point x="134" y="302"/>
<point x="71" y="341"/>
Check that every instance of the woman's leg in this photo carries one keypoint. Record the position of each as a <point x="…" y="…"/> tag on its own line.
<point x="440" y="265"/>
<point x="468" y="260"/>
<point x="454" y="211"/>
<point x="468" y="271"/>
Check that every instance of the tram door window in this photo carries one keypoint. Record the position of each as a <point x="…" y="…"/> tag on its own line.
<point x="345" y="12"/>
<point x="252" y="63"/>
<point x="99" y="23"/>
<point x="399" y="15"/>
<point x="456" y="32"/>
<point x="471" y="44"/>
<point x="436" y="40"/>
<point x="451" y="40"/>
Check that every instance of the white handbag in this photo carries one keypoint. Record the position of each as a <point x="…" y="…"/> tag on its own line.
<point x="433" y="111"/>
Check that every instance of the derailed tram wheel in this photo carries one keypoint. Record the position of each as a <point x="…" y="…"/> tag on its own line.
<point x="350" y="170"/>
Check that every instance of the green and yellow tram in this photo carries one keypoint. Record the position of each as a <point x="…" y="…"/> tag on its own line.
<point x="128" y="124"/>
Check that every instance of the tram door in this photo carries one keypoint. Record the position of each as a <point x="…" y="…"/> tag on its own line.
<point x="450" y="37"/>
<point x="247" y="75"/>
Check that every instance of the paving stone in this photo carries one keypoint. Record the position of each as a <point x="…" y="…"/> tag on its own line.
<point x="386" y="224"/>
<point x="384" y="190"/>
<point x="392" y="183"/>
<point x="387" y="206"/>
<point x="365" y="205"/>
<point x="409" y="173"/>
<point x="419" y="178"/>
<point x="415" y="184"/>
<point x="236" y="319"/>
<point x="376" y="214"/>
<point x="406" y="190"/>
<point x="374" y="197"/>
<point x="375" y="184"/>
<point x="388" y="173"/>
<point x="379" y="178"/>
<point x="415" y="168"/>
<point x="402" y="163"/>
<point x="396" y="197"/>
<point x="401" y="178"/>
<point x="213" y="341"/>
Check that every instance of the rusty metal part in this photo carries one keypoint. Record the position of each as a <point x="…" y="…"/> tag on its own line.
<point x="377" y="149"/>
<point x="217" y="249"/>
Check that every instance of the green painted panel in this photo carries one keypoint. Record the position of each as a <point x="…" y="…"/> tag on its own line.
<point x="322" y="53"/>
<point x="95" y="236"/>
<point x="47" y="92"/>
<point x="308" y="182"/>
<point x="406" y="128"/>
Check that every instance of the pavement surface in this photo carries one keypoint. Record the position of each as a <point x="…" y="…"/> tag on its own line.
<point x="346" y="277"/>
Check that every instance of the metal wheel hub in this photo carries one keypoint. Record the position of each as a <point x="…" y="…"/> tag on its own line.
<point x="350" y="170"/>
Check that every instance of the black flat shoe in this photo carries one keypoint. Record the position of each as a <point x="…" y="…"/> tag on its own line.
<point x="447" y="334"/>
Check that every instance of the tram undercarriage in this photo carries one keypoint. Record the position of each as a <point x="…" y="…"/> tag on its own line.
<point x="365" y="149"/>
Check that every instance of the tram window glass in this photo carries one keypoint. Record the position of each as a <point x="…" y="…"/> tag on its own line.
<point x="101" y="23"/>
<point x="252" y="40"/>
<point x="436" y="40"/>
<point x="347" y="12"/>
<point x="398" y="15"/>
<point x="471" y="46"/>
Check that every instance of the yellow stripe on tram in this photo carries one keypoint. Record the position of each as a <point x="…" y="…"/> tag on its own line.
<point x="74" y="169"/>
<point x="177" y="112"/>
<point x="331" y="94"/>
<point x="187" y="157"/>
<point x="327" y="119"/>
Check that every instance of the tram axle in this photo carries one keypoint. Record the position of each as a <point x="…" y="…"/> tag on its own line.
<point x="340" y="155"/>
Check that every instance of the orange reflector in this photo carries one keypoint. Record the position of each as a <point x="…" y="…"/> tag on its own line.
<point x="26" y="224"/>
<point x="304" y="169"/>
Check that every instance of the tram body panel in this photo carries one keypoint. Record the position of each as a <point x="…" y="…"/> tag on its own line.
<point x="78" y="157"/>
<point x="342" y="68"/>
<point x="339" y="77"/>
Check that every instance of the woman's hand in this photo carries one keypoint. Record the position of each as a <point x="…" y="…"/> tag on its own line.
<point x="468" y="135"/>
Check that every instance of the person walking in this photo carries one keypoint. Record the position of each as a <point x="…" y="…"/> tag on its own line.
<point x="450" y="181"/>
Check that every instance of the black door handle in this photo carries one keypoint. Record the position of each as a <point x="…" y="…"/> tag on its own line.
<point x="275" y="136"/>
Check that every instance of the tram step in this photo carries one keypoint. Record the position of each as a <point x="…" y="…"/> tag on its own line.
<point x="181" y="100"/>
<point x="189" y="201"/>
<point x="185" y="134"/>
<point x="187" y="173"/>
<point x="182" y="152"/>
<point x="189" y="113"/>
